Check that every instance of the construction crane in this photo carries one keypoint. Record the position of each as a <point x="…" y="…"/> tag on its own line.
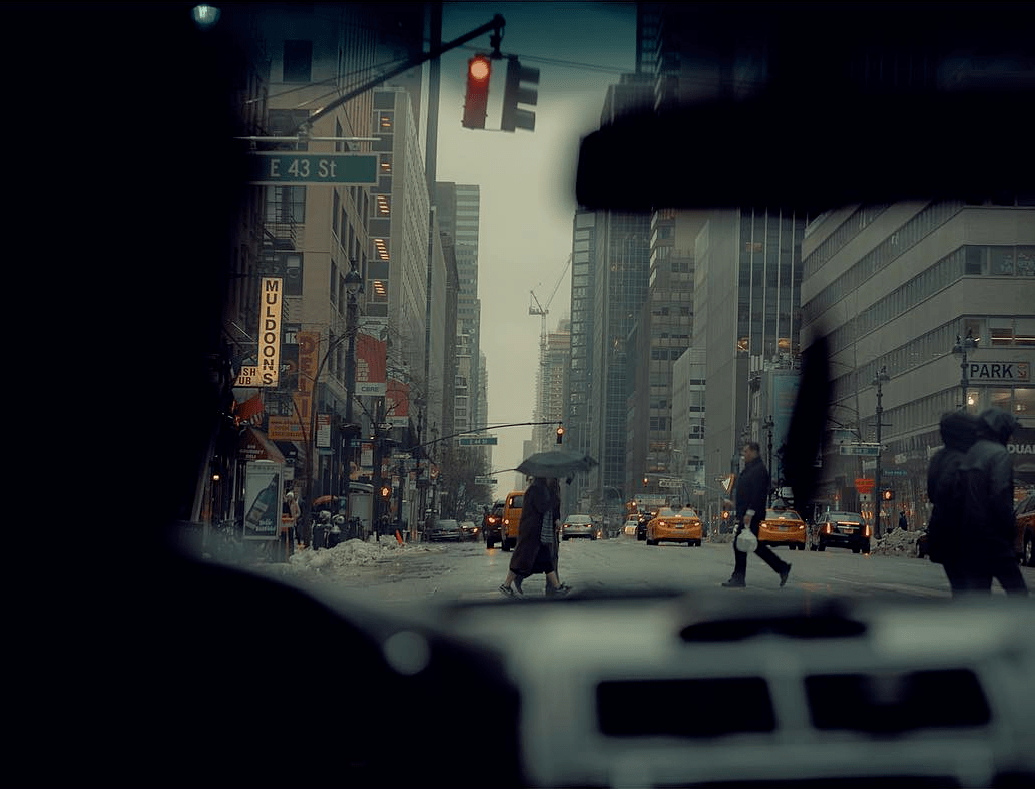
<point x="535" y="307"/>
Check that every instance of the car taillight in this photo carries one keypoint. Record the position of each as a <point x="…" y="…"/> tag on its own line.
<point x="866" y="531"/>
<point x="827" y="528"/>
<point x="802" y="526"/>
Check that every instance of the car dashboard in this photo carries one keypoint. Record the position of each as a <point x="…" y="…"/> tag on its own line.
<point x="684" y="691"/>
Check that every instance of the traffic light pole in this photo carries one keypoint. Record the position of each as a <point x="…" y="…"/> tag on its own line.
<point x="496" y="26"/>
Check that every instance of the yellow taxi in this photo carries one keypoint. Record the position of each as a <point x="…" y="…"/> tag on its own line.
<point x="782" y="526"/>
<point x="672" y="525"/>
<point x="511" y="518"/>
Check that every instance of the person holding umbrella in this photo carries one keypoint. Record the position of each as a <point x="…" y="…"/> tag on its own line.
<point x="531" y="554"/>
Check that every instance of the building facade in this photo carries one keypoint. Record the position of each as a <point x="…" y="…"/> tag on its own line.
<point x="898" y="289"/>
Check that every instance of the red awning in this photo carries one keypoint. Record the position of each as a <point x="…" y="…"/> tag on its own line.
<point x="256" y="445"/>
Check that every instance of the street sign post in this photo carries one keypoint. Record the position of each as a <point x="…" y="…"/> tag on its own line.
<point x="295" y="167"/>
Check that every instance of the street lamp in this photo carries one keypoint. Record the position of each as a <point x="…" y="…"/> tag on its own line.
<point x="354" y="285"/>
<point x="880" y="378"/>
<point x="961" y="347"/>
<point x="768" y="425"/>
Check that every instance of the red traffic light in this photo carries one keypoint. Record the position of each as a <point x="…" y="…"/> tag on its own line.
<point x="476" y="101"/>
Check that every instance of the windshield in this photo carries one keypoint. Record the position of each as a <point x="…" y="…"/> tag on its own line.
<point x="371" y="259"/>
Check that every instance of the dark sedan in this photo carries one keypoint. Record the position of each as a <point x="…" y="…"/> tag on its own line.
<point x="446" y="530"/>
<point x="840" y="530"/>
<point x="492" y="525"/>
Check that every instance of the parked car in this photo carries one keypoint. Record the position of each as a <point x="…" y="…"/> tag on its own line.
<point x="1024" y="515"/>
<point x="841" y="530"/>
<point x="492" y="525"/>
<point x="446" y="530"/>
<point x="672" y="525"/>
<point x="578" y="526"/>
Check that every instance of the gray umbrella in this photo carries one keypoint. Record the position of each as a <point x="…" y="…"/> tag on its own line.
<point x="556" y="463"/>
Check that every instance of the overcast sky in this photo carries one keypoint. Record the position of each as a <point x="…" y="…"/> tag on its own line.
<point x="527" y="179"/>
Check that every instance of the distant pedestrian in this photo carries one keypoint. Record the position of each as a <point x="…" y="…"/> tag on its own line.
<point x="750" y="496"/>
<point x="947" y="542"/>
<point x="530" y="554"/>
<point x="987" y="474"/>
<point x="903" y="523"/>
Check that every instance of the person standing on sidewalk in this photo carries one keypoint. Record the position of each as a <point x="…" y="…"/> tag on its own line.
<point x="751" y="493"/>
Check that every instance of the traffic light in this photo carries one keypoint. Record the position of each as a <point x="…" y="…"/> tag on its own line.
<point x="644" y="482"/>
<point x="476" y="102"/>
<point x="560" y="435"/>
<point x="517" y="91"/>
<point x="887" y="495"/>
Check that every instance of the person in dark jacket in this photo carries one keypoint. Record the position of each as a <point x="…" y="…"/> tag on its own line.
<point x="946" y="530"/>
<point x="751" y="493"/>
<point x="530" y="554"/>
<point x="987" y="476"/>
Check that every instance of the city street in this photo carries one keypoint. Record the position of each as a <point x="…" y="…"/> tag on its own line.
<point x="466" y="572"/>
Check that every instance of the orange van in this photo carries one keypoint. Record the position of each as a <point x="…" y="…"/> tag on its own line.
<point x="511" y="518"/>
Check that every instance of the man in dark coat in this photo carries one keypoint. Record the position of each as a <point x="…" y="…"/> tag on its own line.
<point x="987" y="474"/>
<point x="751" y="493"/>
<point x="946" y="533"/>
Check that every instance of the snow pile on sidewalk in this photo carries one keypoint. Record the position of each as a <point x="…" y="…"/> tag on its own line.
<point x="898" y="543"/>
<point x="356" y="552"/>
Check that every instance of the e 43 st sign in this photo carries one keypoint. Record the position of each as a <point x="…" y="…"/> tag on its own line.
<point x="296" y="167"/>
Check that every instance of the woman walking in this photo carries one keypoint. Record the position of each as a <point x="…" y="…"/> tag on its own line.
<point x="531" y="554"/>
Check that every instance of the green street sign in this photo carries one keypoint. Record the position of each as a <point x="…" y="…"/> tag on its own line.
<point x="291" y="167"/>
<point x="860" y="449"/>
<point x="477" y="442"/>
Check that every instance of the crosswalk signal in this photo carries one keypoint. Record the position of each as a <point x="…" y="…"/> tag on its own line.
<point x="386" y="492"/>
<point x="519" y="89"/>
<point x="476" y="101"/>
<point x="560" y="435"/>
<point x="887" y="495"/>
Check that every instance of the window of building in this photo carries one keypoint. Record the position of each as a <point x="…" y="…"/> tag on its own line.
<point x="298" y="61"/>
<point x="285" y="204"/>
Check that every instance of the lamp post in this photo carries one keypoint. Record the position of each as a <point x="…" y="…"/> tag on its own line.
<point x="767" y="423"/>
<point x="353" y="284"/>
<point x="961" y="347"/>
<point x="878" y="380"/>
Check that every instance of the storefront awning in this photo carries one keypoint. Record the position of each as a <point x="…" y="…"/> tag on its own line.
<point x="256" y="445"/>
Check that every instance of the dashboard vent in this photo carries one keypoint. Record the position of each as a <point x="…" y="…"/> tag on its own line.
<point x="802" y="627"/>
<point x="897" y="702"/>
<point x="684" y="707"/>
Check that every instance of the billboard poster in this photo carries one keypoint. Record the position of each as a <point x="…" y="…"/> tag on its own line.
<point x="397" y="403"/>
<point x="371" y="366"/>
<point x="263" y="494"/>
